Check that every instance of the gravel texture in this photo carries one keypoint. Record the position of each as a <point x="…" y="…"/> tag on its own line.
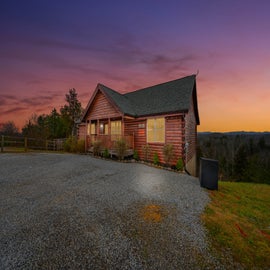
<point x="63" y="211"/>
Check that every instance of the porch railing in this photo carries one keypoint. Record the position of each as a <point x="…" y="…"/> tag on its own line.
<point x="109" y="141"/>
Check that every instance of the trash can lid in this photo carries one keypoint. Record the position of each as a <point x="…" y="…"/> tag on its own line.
<point x="208" y="159"/>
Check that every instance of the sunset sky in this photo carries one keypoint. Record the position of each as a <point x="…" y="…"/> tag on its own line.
<point x="48" y="47"/>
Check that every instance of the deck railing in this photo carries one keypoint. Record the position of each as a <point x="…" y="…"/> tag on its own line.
<point x="109" y="141"/>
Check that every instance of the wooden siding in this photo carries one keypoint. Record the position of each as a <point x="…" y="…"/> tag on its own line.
<point x="101" y="108"/>
<point x="173" y="135"/>
<point x="137" y="128"/>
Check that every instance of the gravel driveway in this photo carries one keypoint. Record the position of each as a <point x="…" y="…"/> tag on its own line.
<point x="63" y="211"/>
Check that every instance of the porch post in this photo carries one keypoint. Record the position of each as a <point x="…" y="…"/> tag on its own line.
<point x="109" y="132"/>
<point x="85" y="137"/>
<point x="122" y="127"/>
<point x="98" y="127"/>
<point x="88" y="136"/>
<point x="109" y="126"/>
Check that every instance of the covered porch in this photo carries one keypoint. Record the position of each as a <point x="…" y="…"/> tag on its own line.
<point x="106" y="135"/>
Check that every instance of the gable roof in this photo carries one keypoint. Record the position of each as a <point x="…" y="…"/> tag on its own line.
<point x="119" y="100"/>
<point x="169" y="97"/>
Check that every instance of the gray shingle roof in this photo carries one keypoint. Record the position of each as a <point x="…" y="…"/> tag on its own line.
<point x="172" y="96"/>
<point x="168" y="97"/>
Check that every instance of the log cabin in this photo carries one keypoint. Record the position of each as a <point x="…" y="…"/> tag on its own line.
<point x="147" y="119"/>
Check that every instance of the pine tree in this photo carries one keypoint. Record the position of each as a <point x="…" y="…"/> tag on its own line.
<point x="71" y="112"/>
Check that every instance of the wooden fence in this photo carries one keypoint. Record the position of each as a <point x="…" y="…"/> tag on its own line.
<point x="12" y="143"/>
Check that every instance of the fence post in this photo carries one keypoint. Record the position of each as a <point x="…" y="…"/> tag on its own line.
<point x="25" y="144"/>
<point x="2" y="144"/>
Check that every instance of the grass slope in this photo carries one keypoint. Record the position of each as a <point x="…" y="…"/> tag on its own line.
<point x="238" y="223"/>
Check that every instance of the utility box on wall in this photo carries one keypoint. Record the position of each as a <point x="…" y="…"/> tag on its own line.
<point x="209" y="173"/>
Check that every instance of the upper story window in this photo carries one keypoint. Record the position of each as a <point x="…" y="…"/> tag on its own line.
<point x="156" y="130"/>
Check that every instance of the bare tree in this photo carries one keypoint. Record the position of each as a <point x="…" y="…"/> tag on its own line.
<point x="9" y="129"/>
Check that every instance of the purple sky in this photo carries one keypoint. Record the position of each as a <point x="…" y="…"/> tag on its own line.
<point x="48" y="47"/>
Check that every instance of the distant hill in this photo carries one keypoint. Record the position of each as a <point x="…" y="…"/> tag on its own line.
<point x="243" y="156"/>
<point x="236" y="133"/>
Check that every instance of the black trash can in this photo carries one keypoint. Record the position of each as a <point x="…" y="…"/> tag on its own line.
<point x="209" y="173"/>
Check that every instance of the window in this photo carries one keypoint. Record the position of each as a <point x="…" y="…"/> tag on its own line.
<point x="101" y="128"/>
<point x="88" y="128"/>
<point x="93" y="128"/>
<point x="116" y="128"/>
<point x="156" y="130"/>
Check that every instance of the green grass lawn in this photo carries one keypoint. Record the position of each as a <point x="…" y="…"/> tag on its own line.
<point x="238" y="223"/>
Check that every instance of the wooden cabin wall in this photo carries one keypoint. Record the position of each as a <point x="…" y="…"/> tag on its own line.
<point x="101" y="108"/>
<point x="81" y="132"/>
<point x="137" y="128"/>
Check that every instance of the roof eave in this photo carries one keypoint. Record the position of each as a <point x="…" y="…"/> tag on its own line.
<point x="195" y="103"/>
<point x="162" y="113"/>
<point x="90" y="102"/>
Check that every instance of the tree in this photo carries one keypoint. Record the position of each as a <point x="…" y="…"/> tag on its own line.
<point x="31" y="129"/>
<point x="43" y="126"/>
<point x="56" y="125"/>
<point x="240" y="163"/>
<point x="53" y="123"/>
<point x="71" y="112"/>
<point x="261" y="143"/>
<point x="9" y="129"/>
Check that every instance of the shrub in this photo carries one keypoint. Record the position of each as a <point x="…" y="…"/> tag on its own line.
<point x="146" y="151"/>
<point x="106" y="153"/>
<point x="121" y="147"/>
<point x="80" y="146"/>
<point x="67" y="144"/>
<point x="96" y="148"/>
<point x="156" y="159"/>
<point x="179" y="165"/>
<point x="168" y="153"/>
<point x="136" y="155"/>
<point x="70" y="145"/>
